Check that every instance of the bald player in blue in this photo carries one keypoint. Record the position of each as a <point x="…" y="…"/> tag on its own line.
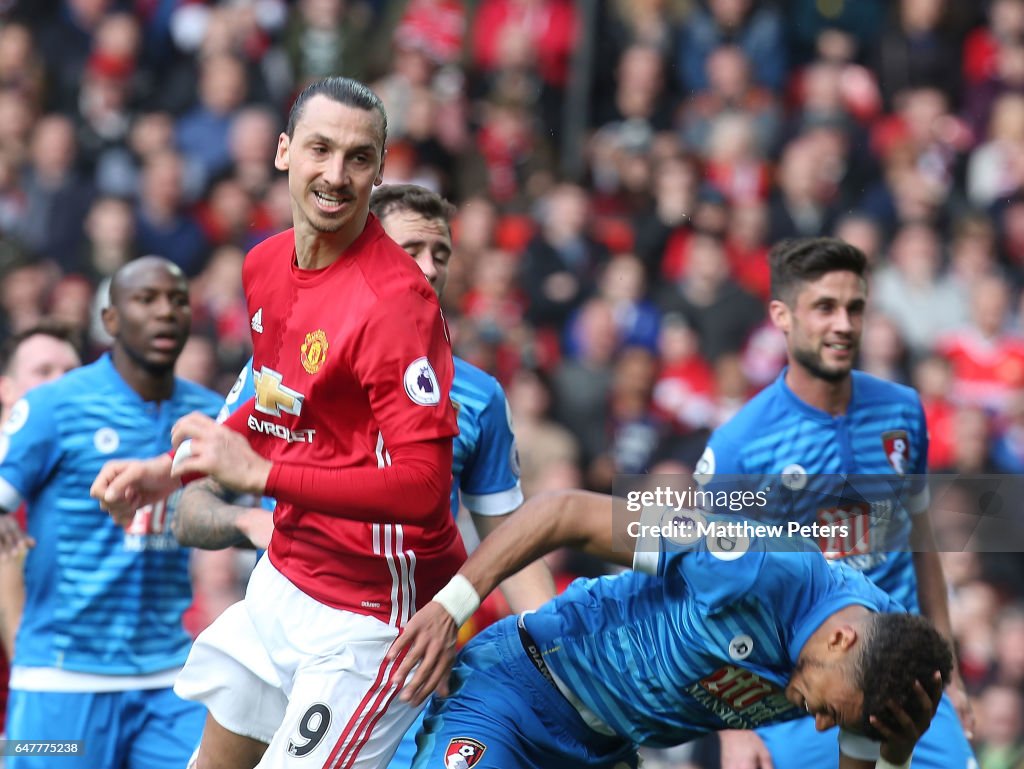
<point x="101" y="638"/>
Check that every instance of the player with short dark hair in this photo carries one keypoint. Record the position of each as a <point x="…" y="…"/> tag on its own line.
<point x="38" y="366"/>
<point x="35" y="355"/>
<point x="350" y="431"/>
<point x="797" y="261"/>
<point x="485" y="472"/>
<point x="410" y="198"/>
<point x="707" y="633"/>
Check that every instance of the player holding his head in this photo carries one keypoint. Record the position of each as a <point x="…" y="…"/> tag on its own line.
<point x="706" y="633"/>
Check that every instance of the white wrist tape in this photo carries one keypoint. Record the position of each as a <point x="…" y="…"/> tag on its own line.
<point x="858" y="746"/>
<point x="881" y="763"/>
<point x="184" y="452"/>
<point x="459" y="598"/>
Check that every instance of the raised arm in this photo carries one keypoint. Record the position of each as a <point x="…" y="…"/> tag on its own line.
<point x="529" y="587"/>
<point x="577" y="519"/>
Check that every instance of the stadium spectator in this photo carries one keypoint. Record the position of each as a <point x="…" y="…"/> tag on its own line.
<point x="986" y="356"/>
<point x="914" y="50"/>
<point x="560" y="264"/>
<point x="755" y="27"/>
<point x="163" y="224"/>
<point x="57" y="197"/>
<point x="913" y="291"/>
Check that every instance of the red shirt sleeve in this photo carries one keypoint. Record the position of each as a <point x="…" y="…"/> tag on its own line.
<point x="406" y="492"/>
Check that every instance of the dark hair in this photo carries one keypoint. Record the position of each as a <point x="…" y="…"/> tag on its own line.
<point x="391" y="198"/>
<point x="800" y="260"/>
<point x="899" y="649"/>
<point x="343" y="90"/>
<point x="51" y="327"/>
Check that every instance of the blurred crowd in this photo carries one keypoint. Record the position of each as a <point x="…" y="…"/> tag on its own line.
<point x="621" y="168"/>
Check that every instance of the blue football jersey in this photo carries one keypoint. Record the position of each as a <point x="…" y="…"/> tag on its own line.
<point x="485" y="465"/>
<point x="99" y="598"/>
<point x="862" y="473"/>
<point x="707" y="643"/>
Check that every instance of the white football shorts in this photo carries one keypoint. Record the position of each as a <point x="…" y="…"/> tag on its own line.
<point x="308" y="679"/>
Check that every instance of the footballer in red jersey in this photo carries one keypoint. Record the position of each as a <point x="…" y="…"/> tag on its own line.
<point x="351" y="432"/>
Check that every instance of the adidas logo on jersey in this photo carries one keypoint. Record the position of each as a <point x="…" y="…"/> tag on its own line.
<point x="257" y="321"/>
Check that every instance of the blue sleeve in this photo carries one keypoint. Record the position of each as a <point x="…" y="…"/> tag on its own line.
<point x="919" y="496"/>
<point x="29" y="446"/>
<point x="490" y="479"/>
<point x="241" y="391"/>
<point x="719" y="469"/>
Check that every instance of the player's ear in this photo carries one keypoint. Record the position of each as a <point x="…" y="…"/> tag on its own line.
<point x="111" y="320"/>
<point x="781" y="317"/>
<point x="281" y="158"/>
<point x="380" y="171"/>
<point x="842" y="638"/>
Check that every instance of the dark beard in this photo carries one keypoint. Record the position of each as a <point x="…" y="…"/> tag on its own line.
<point x="812" y="363"/>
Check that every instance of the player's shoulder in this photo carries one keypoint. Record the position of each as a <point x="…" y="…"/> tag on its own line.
<point x="768" y="407"/>
<point x="475" y="384"/>
<point x="721" y="567"/>
<point x="388" y="271"/>
<point x="264" y="261"/>
<point x="774" y="571"/>
<point x="855" y="582"/>
<point x="870" y="390"/>
<point x="92" y="380"/>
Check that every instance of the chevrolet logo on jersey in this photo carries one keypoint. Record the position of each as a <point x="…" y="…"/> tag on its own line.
<point x="272" y="397"/>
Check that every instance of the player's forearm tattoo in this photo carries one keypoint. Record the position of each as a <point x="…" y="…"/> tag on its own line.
<point x="205" y="518"/>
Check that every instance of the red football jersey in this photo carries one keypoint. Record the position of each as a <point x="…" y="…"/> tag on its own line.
<point x="350" y="362"/>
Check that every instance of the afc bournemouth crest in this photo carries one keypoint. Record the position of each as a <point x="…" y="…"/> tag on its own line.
<point x="463" y="753"/>
<point x="314" y="350"/>
<point x="896" y="444"/>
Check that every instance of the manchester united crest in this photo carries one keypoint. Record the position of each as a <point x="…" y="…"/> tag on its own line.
<point x="896" y="444"/>
<point x="463" y="753"/>
<point x="314" y="351"/>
